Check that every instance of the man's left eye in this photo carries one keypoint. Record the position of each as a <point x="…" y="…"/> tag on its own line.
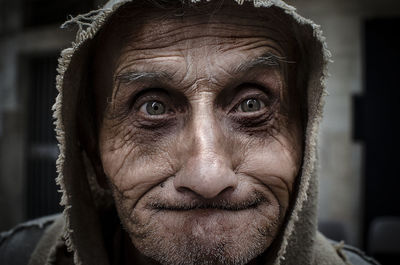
<point x="251" y="105"/>
<point x="153" y="107"/>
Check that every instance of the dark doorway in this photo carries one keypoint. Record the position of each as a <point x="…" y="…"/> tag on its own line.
<point x="376" y="120"/>
<point x="42" y="197"/>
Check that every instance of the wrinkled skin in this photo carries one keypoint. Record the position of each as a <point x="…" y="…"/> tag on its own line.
<point x="202" y="177"/>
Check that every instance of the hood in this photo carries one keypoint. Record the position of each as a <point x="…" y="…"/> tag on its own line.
<point x="83" y="199"/>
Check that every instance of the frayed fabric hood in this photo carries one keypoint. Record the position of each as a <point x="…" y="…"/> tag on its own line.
<point x="83" y="199"/>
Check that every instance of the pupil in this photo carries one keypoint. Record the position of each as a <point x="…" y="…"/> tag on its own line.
<point x="155" y="108"/>
<point x="250" y="105"/>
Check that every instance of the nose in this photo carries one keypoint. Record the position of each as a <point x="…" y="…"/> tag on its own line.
<point x="207" y="170"/>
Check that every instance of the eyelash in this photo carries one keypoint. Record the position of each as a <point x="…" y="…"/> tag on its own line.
<point x="239" y="103"/>
<point x="257" y="92"/>
<point x="144" y="95"/>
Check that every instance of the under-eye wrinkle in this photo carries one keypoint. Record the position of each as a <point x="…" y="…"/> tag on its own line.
<point x="264" y="121"/>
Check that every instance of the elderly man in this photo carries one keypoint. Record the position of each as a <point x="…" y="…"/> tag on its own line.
<point x="188" y="136"/>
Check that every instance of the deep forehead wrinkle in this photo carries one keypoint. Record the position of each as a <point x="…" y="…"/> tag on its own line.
<point x="173" y="31"/>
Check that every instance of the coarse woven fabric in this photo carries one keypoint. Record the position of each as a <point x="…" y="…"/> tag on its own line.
<point x="297" y="243"/>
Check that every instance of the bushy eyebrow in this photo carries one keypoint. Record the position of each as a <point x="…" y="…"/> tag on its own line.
<point x="129" y="77"/>
<point x="267" y="59"/>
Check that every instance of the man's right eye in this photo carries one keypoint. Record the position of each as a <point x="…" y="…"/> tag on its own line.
<point x="153" y="107"/>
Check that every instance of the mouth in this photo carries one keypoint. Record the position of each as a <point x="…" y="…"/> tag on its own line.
<point x="211" y="205"/>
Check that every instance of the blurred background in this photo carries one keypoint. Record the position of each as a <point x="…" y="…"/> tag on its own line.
<point x="359" y="199"/>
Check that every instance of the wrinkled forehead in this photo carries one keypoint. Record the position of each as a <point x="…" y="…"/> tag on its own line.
<point x="144" y="25"/>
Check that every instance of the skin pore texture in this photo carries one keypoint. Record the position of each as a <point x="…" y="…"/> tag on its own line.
<point x="199" y="134"/>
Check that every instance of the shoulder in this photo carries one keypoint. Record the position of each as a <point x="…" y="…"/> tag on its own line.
<point x="352" y="255"/>
<point x="17" y="244"/>
<point x="356" y="256"/>
<point x="329" y="252"/>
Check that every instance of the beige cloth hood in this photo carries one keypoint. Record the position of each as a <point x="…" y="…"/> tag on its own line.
<point x="298" y="242"/>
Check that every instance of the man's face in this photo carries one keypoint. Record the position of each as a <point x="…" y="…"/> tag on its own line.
<point x="198" y="140"/>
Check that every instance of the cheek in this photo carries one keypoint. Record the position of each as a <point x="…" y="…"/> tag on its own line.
<point x="274" y="165"/>
<point x="134" y="165"/>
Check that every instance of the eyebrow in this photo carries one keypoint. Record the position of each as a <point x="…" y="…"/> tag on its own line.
<point x="129" y="77"/>
<point x="267" y="59"/>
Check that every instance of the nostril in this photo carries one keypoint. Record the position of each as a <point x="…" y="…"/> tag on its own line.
<point x="185" y="190"/>
<point x="226" y="191"/>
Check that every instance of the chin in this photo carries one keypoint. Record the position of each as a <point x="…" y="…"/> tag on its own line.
<point x="203" y="236"/>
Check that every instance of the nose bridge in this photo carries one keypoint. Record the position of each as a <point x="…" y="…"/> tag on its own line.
<point x="208" y="168"/>
<point x="206" y="132"/>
